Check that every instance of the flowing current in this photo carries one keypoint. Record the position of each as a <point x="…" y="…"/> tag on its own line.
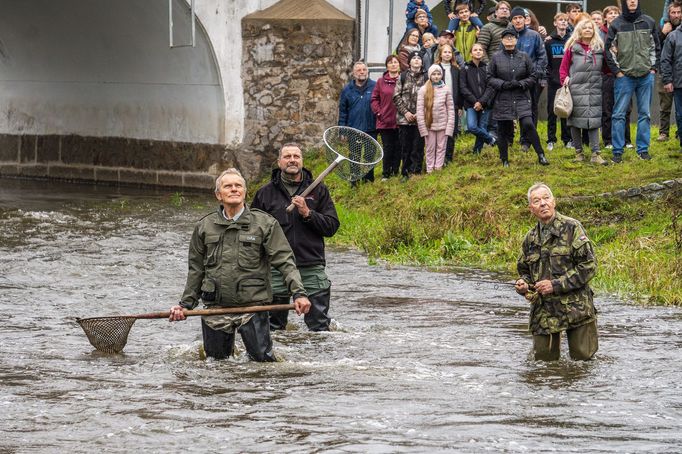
<point x="419" y="361"/>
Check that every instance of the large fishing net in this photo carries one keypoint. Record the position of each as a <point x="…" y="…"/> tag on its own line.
<point x="355" y="152"/>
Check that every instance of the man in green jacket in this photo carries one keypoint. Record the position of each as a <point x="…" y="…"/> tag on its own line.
<point x="557" y="263"/>
<point x="230" y="255"/>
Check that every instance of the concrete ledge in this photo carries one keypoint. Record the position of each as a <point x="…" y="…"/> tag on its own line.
<point x="114" y="160"/>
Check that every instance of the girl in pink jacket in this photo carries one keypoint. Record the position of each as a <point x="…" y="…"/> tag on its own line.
<point x="435" y="117"/>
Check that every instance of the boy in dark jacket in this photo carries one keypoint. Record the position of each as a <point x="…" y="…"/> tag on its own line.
<point x="555" y="53"/>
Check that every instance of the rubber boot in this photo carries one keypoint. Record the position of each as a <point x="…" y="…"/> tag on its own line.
<point x="256" y="337"/>
<point x="217" y="344"/>
<point x="317" y="319"/>
<point x="279" y="319"/>
<point x="597" y="159"/>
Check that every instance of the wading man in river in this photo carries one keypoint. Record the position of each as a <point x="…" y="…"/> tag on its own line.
<point x="230" y="255"/>
<point x="305" y="227"/>
<point x="558" y="261"/>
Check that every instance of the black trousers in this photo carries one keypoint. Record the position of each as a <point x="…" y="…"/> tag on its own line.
<point x="412" y="149"/>
<point x="535" y="93"/>
<point x="505" y="128"/>
<point x="255" y="334"/>
<point x="551" y="118"/>
<point x="317" y="319"/>
<point x="390" y="140"/>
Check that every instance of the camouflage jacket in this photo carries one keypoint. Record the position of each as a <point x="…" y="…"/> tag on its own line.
<point x="565" y="257"/>
<point x="229" y="261"/>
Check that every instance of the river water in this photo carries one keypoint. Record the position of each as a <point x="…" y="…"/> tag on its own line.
<point x="419" y="362"/>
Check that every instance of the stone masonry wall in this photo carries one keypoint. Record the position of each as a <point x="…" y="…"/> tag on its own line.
<point x="293" y="73"/>
<point x="114" y="160"/>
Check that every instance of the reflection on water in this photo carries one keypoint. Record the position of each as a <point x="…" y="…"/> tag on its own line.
<point x="421" y="362"/>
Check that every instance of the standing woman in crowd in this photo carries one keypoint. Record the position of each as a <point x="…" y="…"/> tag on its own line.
<point x="582" y="68"/>
<point x="385" y="113"/>
<point x="435" y="117"/>
<point x="533" y="23"/>
<point x="408" y="45"/>
<point x="472" y="83"/>
<point x="512" y="75"/>
<point x="451" y="61"/>
<point x="405" y="100"/>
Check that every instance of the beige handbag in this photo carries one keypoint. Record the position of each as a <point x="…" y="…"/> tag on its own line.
<point x="563" y="103"/>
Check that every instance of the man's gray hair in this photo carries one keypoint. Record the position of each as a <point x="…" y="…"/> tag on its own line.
<point x="535" y="187"/>
<point x="289" y="145"/>
<point x="360" y="62"/>
<point x="230" y="171"/>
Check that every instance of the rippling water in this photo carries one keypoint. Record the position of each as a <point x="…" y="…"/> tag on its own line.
<point x="421" y="361"/>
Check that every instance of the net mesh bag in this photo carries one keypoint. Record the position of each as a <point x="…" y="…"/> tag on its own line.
<point x="360" y="150"/>
<point x="107" y="334"/>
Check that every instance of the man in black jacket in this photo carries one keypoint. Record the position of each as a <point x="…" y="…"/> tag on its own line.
<point x="305" y="227"/>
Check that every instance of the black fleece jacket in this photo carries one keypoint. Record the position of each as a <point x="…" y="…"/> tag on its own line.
<point x="306" y="236"/>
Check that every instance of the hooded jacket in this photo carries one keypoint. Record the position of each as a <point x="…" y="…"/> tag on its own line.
<point x="634" y="37"/>
<point x="382" y="102"/>
<point x="306" y="236"/>
<point x="555" y="53"/>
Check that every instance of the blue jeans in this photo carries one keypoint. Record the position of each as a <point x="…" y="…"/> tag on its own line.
<point x="677" y="96"/>
<point x="623" y="89"/>
<point x="453" y="25"/>
<point x="477" y="124"/>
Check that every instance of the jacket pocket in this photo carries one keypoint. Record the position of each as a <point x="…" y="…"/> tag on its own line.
<point x="252" y="290"/>
<point x="210" y="290"/>
<point x="560" y="261"/>
<point x="533" y="261"/>
<point x="212" y="250"/>
<point x="249" y="251"/>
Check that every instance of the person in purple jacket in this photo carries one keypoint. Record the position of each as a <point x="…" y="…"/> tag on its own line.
<point x="385" y="113"/>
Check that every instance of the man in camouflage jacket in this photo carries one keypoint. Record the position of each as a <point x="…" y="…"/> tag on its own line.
<point x="230" y="255"/>
<point x="557" y="263"/>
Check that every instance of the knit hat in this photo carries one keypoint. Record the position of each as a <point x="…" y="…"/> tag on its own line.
<point x="435" y="67"/>
<point x="517" y="11"/>
<point x="412" y="55"/>
<point x="420" y="12"/>
<point x="509" y="31"/>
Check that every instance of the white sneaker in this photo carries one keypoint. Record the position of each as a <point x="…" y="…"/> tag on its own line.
<point x="629" y="146"/>
<point x="550" y="146"/>
<point x="609" y="147"/>
<point x="570" y="146"/>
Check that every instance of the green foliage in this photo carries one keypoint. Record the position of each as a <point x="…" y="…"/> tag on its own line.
<point x="474" y="213"/>
<point x="177" y="199"/>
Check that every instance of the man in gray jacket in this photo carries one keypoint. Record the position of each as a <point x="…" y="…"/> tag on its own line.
<point x="230" y="255"/>
<point x="671" y="73"/>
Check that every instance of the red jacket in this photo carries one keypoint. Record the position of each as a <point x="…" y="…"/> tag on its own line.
<point x="382" y="102"/>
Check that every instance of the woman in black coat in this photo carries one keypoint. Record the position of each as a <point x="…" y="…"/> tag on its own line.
<point x="511" y="76"/>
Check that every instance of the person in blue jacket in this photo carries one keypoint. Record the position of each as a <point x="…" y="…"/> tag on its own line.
<point x="355" y="108"/>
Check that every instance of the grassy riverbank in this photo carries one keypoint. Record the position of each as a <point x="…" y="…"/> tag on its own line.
<point x="474" y="213"/>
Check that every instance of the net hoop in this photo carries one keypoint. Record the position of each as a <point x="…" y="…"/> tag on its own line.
<point x="347" y="131"/>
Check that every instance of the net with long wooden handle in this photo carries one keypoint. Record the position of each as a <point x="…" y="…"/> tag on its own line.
<point x="110" y="334"/>
<point x="360" y="150"/>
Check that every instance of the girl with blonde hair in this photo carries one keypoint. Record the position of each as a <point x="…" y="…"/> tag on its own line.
<point x="582" y="68"/>
<point x="451" y="61"/>
<point x="435" y="117"/>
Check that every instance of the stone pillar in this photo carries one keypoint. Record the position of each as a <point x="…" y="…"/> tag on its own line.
<point x="295" y="61"/>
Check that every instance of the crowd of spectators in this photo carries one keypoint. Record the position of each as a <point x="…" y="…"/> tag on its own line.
<point x="488" y="77"/>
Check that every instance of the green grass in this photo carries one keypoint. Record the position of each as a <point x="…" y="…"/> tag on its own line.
<point x="474" y="213"/>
